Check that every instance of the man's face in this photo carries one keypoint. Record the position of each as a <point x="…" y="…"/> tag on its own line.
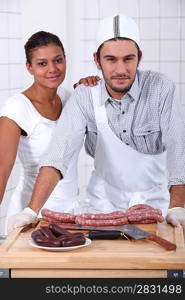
<point x="118" y="63"/>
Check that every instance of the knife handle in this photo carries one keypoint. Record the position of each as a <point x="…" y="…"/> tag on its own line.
<point x="104" y="234"/>
<point x="162" y="242"/>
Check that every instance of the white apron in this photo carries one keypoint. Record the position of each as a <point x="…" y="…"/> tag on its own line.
<point x="123" y="176"/>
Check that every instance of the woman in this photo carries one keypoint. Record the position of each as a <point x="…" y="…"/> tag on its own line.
<point x="27" y="122"/>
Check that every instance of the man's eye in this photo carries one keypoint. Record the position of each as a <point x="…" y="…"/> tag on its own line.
<point x="129" y="58"/>
<point x="110" y="58"/>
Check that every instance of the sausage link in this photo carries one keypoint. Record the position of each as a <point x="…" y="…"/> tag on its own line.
<point x="36" y="233"/>
<point x="140" y="217"/>
<point x="73" y="242"/>
<point x="45" y="242"/>
<point x="47" y="232"/>
<point x="103" y="216"/>
<point x="51" y="220"/>
<point x="59" y="216"/>
<point x="90" y="222"/>
<point x="57" y="230"/>
<point x="144" y="211"/>
<point x="140" y="207"/>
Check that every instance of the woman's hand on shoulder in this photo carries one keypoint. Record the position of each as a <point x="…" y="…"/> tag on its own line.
<point x="88" y="81"/>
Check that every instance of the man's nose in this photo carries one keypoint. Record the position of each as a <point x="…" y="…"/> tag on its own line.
<point x="120" y="67"/>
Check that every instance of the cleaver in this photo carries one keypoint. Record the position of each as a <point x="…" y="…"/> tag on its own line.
<point x="128" y="230"/>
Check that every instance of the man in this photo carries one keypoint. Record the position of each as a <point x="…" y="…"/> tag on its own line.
<point x="133" y="129"/>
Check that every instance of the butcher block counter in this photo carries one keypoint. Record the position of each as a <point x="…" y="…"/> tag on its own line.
<point x="101" y="259"/>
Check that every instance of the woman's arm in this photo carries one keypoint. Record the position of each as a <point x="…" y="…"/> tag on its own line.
<point x="10" y="134"/>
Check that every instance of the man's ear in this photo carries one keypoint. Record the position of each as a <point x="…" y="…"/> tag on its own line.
<point x="29" y="68"/>
<point x="96" y="61"/>
<point x="139" y="56"/>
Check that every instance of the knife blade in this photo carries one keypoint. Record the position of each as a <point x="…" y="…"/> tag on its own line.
<point x="130" y="231"/>
<point x="137" y="233"/>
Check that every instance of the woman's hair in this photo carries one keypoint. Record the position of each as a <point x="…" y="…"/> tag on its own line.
<point x="38" y="39"/>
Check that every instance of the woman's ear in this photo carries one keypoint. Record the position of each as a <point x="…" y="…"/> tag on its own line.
<point x="96" y="61"/>
<point x="29" y="68"/>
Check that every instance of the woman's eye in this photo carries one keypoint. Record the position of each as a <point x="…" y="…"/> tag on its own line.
<point x="59" y="60"/>
<point x="42" y="64"/>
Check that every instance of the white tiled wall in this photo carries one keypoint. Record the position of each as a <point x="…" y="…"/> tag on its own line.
<point x="10" y="69"/>
<point x="162" y="28"/>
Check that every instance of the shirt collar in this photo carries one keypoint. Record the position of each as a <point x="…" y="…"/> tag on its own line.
<point x="133" y="92"/>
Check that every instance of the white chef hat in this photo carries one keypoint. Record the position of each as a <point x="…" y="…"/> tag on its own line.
<point x="117" y="26"/>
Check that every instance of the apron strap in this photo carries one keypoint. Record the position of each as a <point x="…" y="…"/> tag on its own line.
<point x="99" y="110"/>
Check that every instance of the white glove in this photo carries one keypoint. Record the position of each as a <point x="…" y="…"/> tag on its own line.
<point x="176" y="216"/>
<point x="25" y="217"/>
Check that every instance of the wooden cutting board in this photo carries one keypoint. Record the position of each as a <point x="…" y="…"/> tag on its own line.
<point x="102" y="258"/>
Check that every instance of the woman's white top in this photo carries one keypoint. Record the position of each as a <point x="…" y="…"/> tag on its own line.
<point x="31" y="148"/>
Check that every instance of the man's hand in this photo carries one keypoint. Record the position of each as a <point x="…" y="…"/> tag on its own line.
<point x="176" y="216"/>
<point x="88" y="81"/>
<point x="25" y="217"/>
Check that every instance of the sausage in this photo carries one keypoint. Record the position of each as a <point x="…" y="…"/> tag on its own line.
<point x="51" y="220"/>
<point x="70" y="237"/>
<point x="73" y="242"/>
<point x="144" y="211"/>
<point x="62" y="217"/>
<point x="144" y="214"/>
<point x="57" y="230"/>
<point x="90" y="222"/>
<point x="63" y="238"/>
<point x="36" y="233"/>
<point x="48" y="233"/>
<point x="103" y="216"/>
<point x="45" y="242"/>
<point x="139" y="206"/>
<point x="55" y="236"/>
<point x="78" y="234"/>
<point x="145" y="222"/>
<point x="141" y="217"/>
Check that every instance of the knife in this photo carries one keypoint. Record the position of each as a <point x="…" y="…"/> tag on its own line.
<point x="130" y="231"/>
<point x="105" y="235"/>
<point x="29" y="226"/>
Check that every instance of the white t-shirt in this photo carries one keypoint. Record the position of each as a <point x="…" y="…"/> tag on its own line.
<point x="31" y="148"/>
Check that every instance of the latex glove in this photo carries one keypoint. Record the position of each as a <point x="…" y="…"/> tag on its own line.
<point x="25" y="217"/>
<point x="176" y="216"/>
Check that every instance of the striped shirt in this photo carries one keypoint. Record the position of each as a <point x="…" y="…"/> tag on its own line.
<point x="149" y="118"/>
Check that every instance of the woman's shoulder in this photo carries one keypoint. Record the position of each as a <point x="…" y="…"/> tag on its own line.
<point x="18" y="109"/>
<point x="15" y="101"/>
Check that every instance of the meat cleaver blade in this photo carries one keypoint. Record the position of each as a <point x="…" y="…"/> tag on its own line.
<point x="137" y="233"/>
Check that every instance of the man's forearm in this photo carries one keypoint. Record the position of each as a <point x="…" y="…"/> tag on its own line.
<point x="46" y="181"/>
<point x="177" y="196"/>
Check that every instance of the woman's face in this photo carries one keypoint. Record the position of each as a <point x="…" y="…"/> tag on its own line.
<point x="48" y="66"/>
